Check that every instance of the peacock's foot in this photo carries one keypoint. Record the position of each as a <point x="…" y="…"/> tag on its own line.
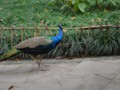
<point x="41" y="67"/>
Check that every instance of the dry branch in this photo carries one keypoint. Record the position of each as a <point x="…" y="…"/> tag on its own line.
<point x="77" y="28"/>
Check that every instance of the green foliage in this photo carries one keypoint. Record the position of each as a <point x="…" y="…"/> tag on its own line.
<point x="107" y="3"/>
<point x="89" y="43"/>
<point x="83" y="5"/>
<point x="29" y="12"/>
<point x="75" y="43"/>
<point x="26" y="13"/>
<point x="74" y="5"/>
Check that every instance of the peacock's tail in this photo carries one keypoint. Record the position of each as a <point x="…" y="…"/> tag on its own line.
<point x="10" y="53"/>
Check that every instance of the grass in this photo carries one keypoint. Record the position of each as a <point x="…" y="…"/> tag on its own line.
<point x="28" y="13"/>
<point x="91" y="43"/>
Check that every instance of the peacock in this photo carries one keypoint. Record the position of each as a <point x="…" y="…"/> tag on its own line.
<point x="35" y="46"/>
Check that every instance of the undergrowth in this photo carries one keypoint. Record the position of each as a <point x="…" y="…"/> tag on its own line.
<point x="28" y="13"/>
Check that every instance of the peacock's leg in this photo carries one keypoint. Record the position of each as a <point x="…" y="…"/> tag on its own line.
<point x="33" y="58"/>
<point x="39" y="62"/>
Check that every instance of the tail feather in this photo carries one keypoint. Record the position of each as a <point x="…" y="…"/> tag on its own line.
<point x="10" y="53"/>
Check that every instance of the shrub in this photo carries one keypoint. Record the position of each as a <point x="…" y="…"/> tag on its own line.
<point x="83" y="5"/>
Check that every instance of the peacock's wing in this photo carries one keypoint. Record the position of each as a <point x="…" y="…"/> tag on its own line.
<point x="33" y="42"/>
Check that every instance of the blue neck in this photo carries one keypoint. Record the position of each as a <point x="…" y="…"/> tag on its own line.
<point x="56" y="39"/>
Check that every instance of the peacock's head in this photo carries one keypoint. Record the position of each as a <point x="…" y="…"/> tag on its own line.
<point x="60" y="26"/>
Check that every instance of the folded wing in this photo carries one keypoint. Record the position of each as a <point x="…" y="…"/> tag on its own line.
<point x="33" y="42"/>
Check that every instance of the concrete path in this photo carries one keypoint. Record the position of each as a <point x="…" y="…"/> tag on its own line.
<point x="101" y="73"/>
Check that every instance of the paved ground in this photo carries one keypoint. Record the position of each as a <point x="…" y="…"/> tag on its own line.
<point x="101" y="73"/>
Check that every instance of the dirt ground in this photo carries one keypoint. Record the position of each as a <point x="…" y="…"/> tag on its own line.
<point x="101" y="73"/>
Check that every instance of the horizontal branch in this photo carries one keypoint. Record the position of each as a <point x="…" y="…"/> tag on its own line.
<point x="47" y="28"/>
